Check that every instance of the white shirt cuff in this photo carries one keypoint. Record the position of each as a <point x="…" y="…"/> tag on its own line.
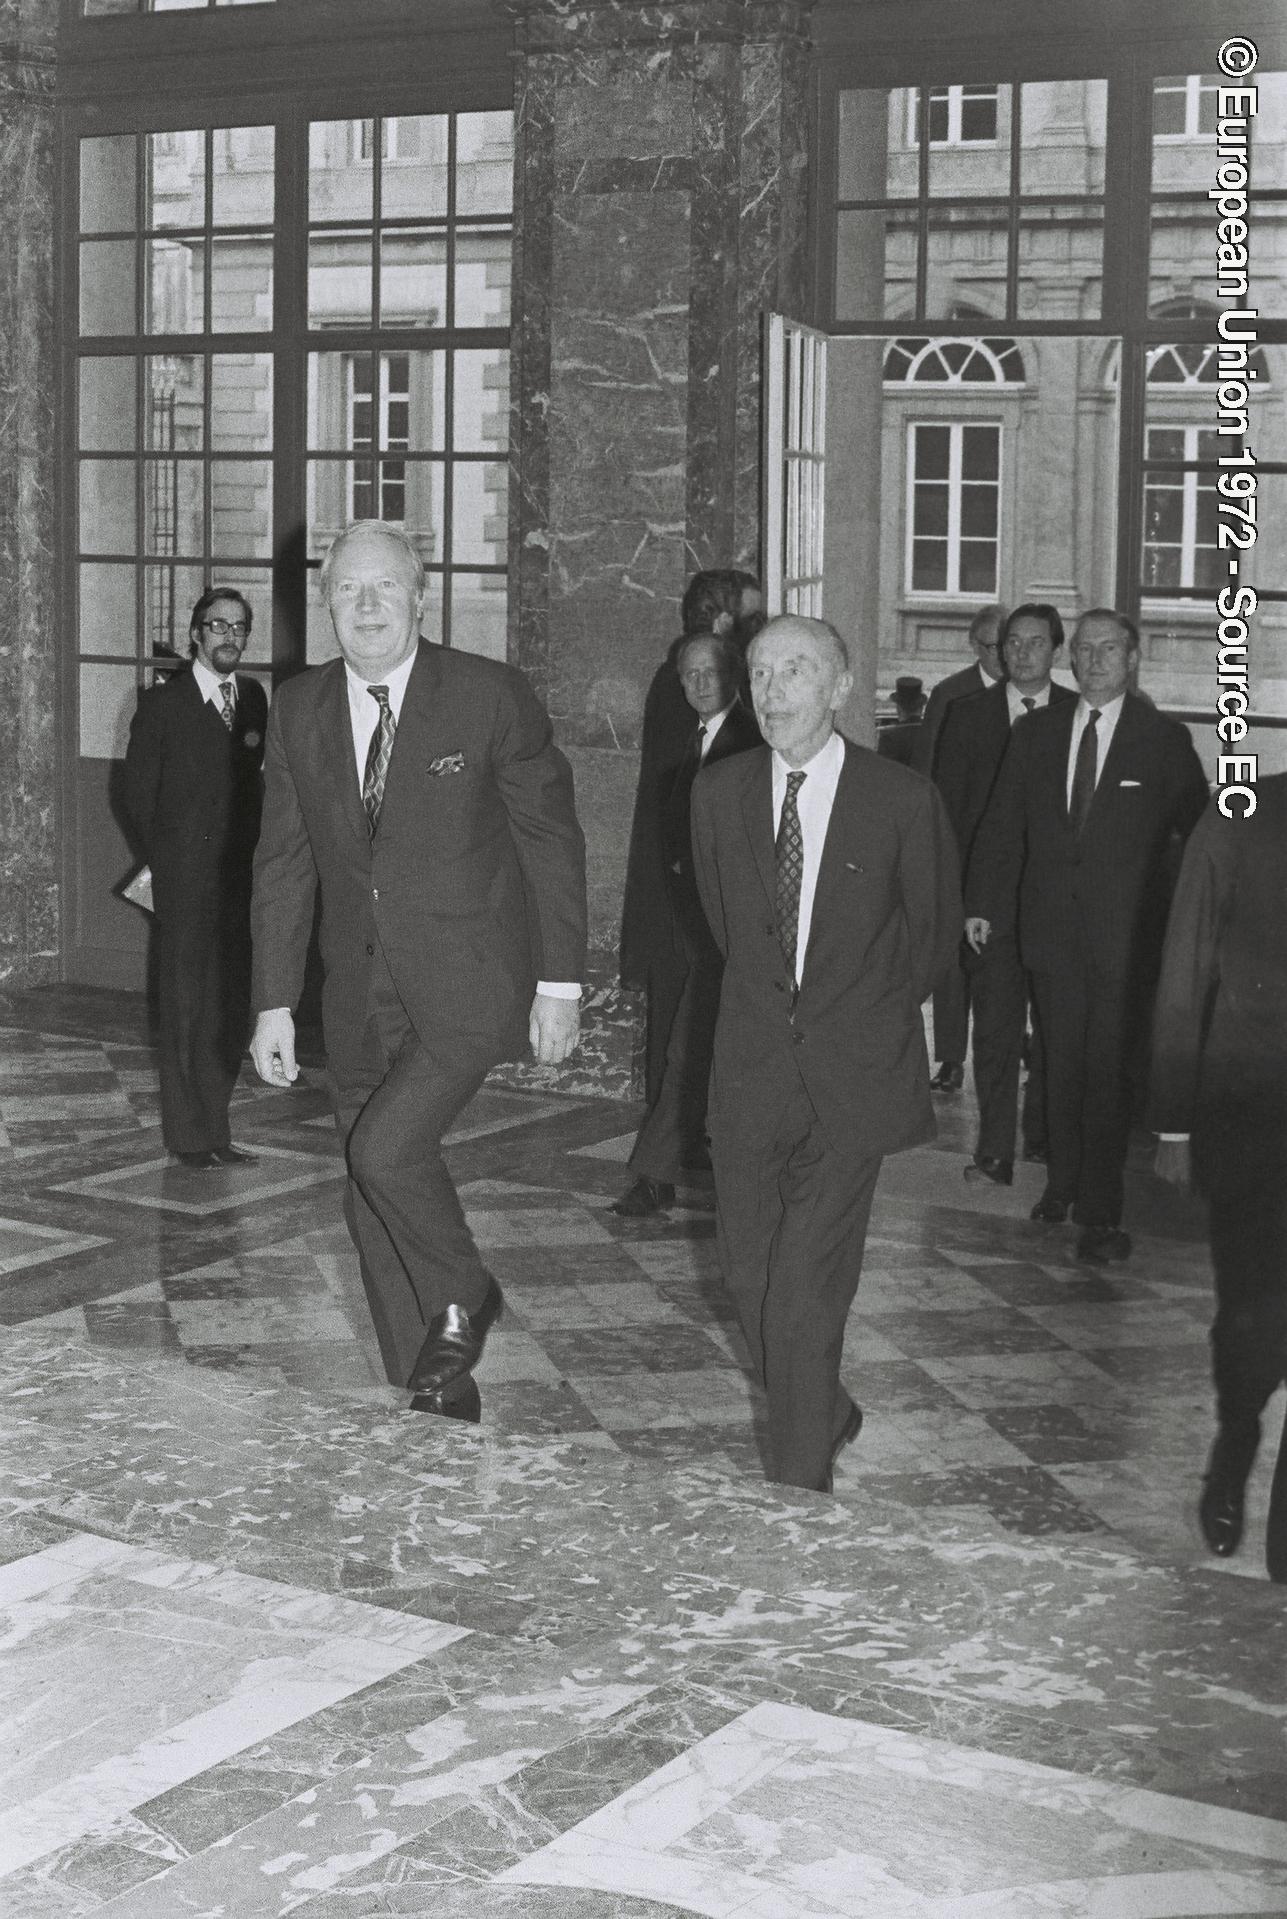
<point x="558" y="989"/>
<point x="1173" y="1139"/>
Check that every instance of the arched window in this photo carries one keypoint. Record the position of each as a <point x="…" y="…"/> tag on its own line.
<point x="992" y="362"/>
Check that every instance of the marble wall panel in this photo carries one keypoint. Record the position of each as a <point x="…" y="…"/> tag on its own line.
<point x="29" y="903"/>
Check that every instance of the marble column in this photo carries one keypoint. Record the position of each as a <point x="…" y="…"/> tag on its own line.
<point x="29" y="794"/>
<point x="661" y="208"/>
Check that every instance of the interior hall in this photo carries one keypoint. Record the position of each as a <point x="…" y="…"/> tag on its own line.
<point x="906" y="310"/>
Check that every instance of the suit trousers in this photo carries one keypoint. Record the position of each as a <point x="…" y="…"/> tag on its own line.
<point x="675" y="1123"/>
<point x="665" y="989"/>
<point x="203" y="977"/>
<point x="998" y="987"/>
<point x="952" y="1016"/>
<point x="792" y="1212"/>
<point x="1085" y="1027"/>
<point x="392" y="1109"/>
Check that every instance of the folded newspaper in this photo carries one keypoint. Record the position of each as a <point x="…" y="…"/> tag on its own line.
<point x="139" y="890"/>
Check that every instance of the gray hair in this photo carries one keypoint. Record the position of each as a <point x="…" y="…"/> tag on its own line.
<point x="993" y="616"/>
<point x="817" y="630"/>
<point x="726" y="649"/>
<point x="389" y="530"/>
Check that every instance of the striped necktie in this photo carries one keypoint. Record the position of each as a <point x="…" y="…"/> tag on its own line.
<point x="226" y="693"/>
<point x="377" y="758"/>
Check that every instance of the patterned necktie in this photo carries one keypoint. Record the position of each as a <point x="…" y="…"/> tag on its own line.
<point x="1084" y="768"/>
<point x="225" y="689"/>
<point x="377" y="758"/>
<point x="789" y="848"/>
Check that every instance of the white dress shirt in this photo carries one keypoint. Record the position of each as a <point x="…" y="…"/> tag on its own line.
<point x="364" y="713"/>
<point x="712" y="726"/>
<point x="813" y="803"/>
<point x="1109" y="714"/>
<point x="1015" y="700"/>
<point x="210" y="685"/>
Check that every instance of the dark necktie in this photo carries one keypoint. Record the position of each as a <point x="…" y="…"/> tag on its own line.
<point x="1028" y="702"/>
<point x="789" y="848"/>
<point x="225" y="689"/>
<point x="377" y="758"/>
<point x="1083" y="780"/>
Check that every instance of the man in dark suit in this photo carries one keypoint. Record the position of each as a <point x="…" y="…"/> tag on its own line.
<point x="192" y="791"/>
<point x="1220" y="1077"/>
<point x="897" y="740"/>
<point x="971" y="748"/>
<point x="829" y="880"/>
<point x="1075" y="850"/>
<point x="422" y="791"/>
<point x="952" y="995"/>
<point x="654" y="959"/>
<point x="710" y="670"/>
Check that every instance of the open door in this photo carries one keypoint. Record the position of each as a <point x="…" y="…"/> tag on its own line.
<point x="795" y="434"/>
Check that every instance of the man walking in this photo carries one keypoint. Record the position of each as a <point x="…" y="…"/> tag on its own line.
<point x="422" y="791"/>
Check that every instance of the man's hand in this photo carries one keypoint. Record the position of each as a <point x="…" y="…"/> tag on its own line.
<point x="554" y="1028"/>
<point x="272" y="1047"/>
<point x="1174" y="1163"/>
<point x="976" y="933"/>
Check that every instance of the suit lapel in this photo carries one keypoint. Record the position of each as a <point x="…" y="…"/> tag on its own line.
<point x="834" y="842"/>
<point x="335" y="728"/>
<point x="757" y="812"/>
<point x="1124" y="736"/>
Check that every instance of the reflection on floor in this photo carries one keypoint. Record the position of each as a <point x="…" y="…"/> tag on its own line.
<point x="278" y="1645"/>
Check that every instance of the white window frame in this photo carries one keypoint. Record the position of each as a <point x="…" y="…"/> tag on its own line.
<point x="795" y="432"/>
<point x="953" y="589"/>
<point x="380" y="447"/>
<point x="1188" y="485"/>
<point x="956" y="97"/>
<point x="1195" y="85"/>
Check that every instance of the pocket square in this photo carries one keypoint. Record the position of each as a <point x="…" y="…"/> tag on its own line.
<point x="449" y="763"/>
<point x="1130" y="782"/>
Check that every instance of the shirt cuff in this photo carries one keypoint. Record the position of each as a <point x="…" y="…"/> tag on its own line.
<point x="558" y="989"/>
<point x="1173" y="1139"/>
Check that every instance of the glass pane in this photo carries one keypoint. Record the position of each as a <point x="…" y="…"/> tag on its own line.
<point x="482" y="278"/>
<point x="978" y="566"/>
<point x="1061" y="245"/>
<point x="933" y="452"/>
<point x="874" y="123"/>
<point x="107" y="286"/>
<point x="1269" y="133"/>
<point x="241" y="509"/>
<point x="484" y="163"/>
<point x="980" y="452"/>
<point x="333" y="381"/>
<point x="339" y="178"/>
<point x="173" y="499"/>
<point x="969" y="141"/>
<point x="241" y="402"/>
<point x="423" y="517"/>
<point x="968" y="248"/>
<point x="413" y="279"/>
<point x="479" y="523"/>
<point x="480" y="400"/>
<point x="931" y="508"/>
<point x="107" y="184"/>
<point x="243" y="176"/>
<point x="1065" y="123"/>
<point x="176" y="189"/>
<point x="176" y="286"/>
<point x="875" y="264"/>
<point x="414" y="180"/>
<point x="339" y="279"/>
<point x="173" y="389"/>
<point x="414" y="387"/>
<point x="108" y="697"/>
<point x="107" y="610"/>
<point x="95" y="9"/>
<point x="107" y="522"/>
<point x="338" y="491"/>
<point x="929" y="566"/>
<point x="1184" y="124"/>
<point x="170" y="592"/>
<point x="106" y="410"/>
<point x="431" y="614"/>
<point x="478" y="613"/>
<point x="241" y="291"/>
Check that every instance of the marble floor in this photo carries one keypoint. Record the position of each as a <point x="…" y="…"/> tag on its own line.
<point x="273" y="1643"/>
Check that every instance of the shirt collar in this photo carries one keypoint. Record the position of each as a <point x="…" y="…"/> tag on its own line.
<point x="828" y="759"/>
<point x="395" y="680"/>
<point x="209" y="684"/>
<point x="1108" y="711"/>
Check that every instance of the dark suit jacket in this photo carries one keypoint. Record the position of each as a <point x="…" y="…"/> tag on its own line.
<point x="1101" y="895"/>
<point x="192" y="788"/>
<point x="1220" y="1029"/>
<point x="957" y="686"/>
<point x="650" y="932"/>
<point x="738" y="733"/>
<point x="971" y="747"/>
<point x="475" y="884"/>
<point x="899" y="741"/>
<point x="886" y="922"/>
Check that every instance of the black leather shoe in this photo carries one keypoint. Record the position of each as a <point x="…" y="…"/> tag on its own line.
<point x="233" y="1156"/>
<point x="1099" y="1245"/>
<point x="459" y="1399"/>
<point x="454" y="1343"/>
<point x="1220" y="1515"/>
<point x="1276" y="1524"/>
<point x="999" y="1171"/>
<point x="845" y="1437"/>
<point x="200" y="1162"/>
<point x="644" y="1197"/>
<point x="948" y="1079"/>
<point x="1050" y="1211"/>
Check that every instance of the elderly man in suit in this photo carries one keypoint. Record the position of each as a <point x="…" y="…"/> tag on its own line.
<point x="710" y="669"/>
<point x="192" y="791"/>
<point x="952" y="995"/>
<point x="1219" y="1100"/>
<point x="975" y="736"/>
<point x="1074" y="852"/>
<point x="421" y="790"/>
<point x="829" y="880"/>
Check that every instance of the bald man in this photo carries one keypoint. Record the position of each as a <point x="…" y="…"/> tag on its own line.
<point x="829" y="880"/>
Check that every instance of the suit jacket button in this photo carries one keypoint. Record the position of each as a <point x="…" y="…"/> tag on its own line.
<point x="778" y="986"/>
<point x="797" y="1039"/>
<point x="370" y="950"/>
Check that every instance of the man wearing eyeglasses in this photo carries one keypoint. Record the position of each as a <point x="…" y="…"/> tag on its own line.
<point x="192" y="790"/>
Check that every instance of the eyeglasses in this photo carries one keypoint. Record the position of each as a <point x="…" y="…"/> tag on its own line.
<point x="220" y="628"/>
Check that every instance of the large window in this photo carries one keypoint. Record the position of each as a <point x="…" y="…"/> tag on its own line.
<point x="954" y="482"/>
